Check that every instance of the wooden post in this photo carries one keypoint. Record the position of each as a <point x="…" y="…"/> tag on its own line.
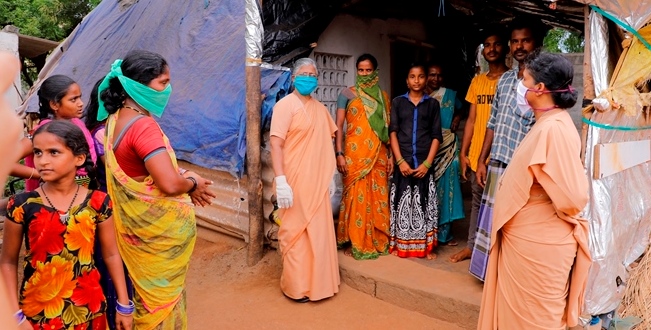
<point x="253" y="165"/>
<point x="588" y="81"/>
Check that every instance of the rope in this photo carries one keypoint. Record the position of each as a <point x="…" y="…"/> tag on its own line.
<point x="615" y="128"/>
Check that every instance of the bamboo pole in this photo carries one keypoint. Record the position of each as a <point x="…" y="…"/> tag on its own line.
<point x="588" y="80"/>
<point x="255" y="248"/>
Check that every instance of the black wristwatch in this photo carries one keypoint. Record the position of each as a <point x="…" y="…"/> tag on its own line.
<point x="194" y="184"/>
<point x="339" y="153"/>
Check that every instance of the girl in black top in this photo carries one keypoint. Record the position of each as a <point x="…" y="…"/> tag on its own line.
<point x="415" y="133"/>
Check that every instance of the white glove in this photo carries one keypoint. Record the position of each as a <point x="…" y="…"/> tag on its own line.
<point x="284" y="194"/>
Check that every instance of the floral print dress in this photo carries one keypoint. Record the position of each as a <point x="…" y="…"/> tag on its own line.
<point x="61" y="288"/>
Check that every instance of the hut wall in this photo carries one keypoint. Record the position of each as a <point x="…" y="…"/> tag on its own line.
<point x="353" y="36"/>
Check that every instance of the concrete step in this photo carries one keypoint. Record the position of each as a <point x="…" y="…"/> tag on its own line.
<point x="445" y="294"/>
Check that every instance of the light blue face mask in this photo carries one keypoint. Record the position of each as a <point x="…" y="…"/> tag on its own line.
<point x="150" y="99"/>
<point x="305" y="85"/>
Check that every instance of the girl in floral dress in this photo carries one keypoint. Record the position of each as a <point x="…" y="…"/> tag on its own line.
<point x="60" y="220"/>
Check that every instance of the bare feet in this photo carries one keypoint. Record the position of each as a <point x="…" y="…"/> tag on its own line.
<point x="461" y="255"/>
<point x="452" y="242"/>
<point x="431" y="256"/>
<point x="348" y="251"/>
<point x="394" y="252"/>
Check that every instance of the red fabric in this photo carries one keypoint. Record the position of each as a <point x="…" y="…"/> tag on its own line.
<point x="87" y="292"/>
<point x="142" y="138"/>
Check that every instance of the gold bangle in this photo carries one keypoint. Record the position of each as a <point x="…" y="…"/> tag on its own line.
<point x="400" y="161"/>
<point x="427" y="164"/>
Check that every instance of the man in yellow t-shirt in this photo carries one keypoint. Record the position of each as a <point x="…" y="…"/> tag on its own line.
<point x="480" y="96"/>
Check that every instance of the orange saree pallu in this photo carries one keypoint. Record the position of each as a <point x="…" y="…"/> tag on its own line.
<point x="364" y="212"/>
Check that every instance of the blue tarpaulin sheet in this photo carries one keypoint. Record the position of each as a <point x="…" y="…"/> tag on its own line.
<point x="203" y="42"/>
<point x="274" y="84"/>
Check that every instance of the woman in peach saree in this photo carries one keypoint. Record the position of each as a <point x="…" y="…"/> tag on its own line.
<point x="539" y="260"/>
<point x="304" y="162"/>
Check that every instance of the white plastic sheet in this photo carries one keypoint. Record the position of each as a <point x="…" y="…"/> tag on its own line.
<point x="599" y="51"/>
<point x="254" y="33"/>
<point x="619" y="213"/>
<point x="633" y="12"/>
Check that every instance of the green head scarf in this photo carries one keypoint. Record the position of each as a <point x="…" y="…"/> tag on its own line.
<point x="369" y="91"/>
<point x="152" y="100"/>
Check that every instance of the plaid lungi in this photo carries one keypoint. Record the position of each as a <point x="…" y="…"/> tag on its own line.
<point x="479" y="258"/>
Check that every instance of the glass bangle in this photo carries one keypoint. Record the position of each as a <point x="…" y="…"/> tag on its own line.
<point x="125" y="310"/>
<point x="20" y="317"/>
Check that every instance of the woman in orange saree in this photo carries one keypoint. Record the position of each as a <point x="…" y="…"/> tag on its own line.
<point x="365" y="163"/>
<point x="539" y="259"/>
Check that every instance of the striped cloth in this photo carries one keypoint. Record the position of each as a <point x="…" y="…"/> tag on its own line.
<point x="479" y="258"/>
<point x="446" y="153"/>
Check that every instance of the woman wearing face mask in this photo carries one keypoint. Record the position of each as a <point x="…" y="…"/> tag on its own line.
<point x="365" y="163"/>
<point x="538" y="234"/>
<point x="304" y="162"/>
<point x="154" y="220"/>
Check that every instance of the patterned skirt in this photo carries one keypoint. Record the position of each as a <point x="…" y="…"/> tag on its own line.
<point x="414" y="215"/>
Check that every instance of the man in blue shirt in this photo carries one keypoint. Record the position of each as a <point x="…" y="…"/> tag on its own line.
<point x="505" y="129"/>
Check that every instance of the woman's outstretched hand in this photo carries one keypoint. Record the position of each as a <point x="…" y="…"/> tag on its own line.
<point x="202" y="196"/>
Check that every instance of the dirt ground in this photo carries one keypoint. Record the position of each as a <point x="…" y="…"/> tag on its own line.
<point x="224" y="293"/>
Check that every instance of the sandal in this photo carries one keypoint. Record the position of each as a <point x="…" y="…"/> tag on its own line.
<point x="299" y="300"/>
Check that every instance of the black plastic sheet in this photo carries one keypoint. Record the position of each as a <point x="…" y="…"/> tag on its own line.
<point x="291" y="26"/>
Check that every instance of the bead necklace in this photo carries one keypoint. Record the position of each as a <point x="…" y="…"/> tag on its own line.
<point x="65" y="216"/>
<point x="134" y="109"/>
